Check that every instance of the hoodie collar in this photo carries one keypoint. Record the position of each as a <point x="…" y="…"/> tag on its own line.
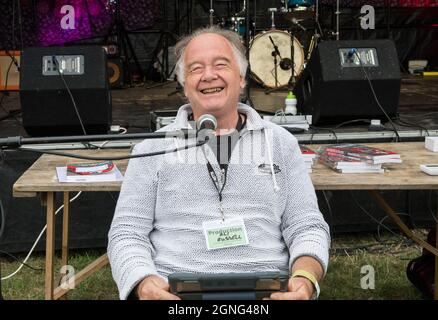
<point x="253" y="120"/>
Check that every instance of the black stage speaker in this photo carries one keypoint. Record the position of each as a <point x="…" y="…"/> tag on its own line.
<point x="46" y="105"/>
<point x="333" y="87"/>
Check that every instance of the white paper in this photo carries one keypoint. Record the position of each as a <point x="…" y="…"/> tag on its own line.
<point x="114" y="175"/>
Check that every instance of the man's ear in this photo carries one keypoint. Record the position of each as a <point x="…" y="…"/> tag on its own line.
<point x="242" y="82"/>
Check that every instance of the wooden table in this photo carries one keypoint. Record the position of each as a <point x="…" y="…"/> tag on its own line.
<point x="41" y="179"/>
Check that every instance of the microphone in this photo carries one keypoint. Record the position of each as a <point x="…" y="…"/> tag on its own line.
<point x="286" y="64"/>
<point x="206" y="121"/>
<point x="205" y="125"/>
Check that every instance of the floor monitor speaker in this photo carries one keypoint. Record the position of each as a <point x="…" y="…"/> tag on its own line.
<point x="46" y="104"/>
<point x="334" y="87"/>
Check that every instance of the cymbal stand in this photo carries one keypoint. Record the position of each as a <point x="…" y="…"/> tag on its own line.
<point x="292" y="56"/>
<point x="123" y="43"/>
<point x="247" y="41"/>
<point x="272" y="11"/>
<point x="318" y="32"/>
<point x="211" y="15"/>
<point x="337" y="13"/>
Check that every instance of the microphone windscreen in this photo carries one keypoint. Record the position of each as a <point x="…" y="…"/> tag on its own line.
<point x="206" y="121"/>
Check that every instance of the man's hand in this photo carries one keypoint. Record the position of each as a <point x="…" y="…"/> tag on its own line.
<point x="299" y="288"/>
<point x="154" y="288"/>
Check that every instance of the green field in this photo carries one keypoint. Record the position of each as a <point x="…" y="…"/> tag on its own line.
<point x="350" y="254"/>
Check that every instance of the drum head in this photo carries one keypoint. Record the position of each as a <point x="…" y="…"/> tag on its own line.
<point x="262" y="61"/>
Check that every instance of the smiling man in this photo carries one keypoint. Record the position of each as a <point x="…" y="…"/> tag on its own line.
<point x="250" y="177"/>
<point x="212" y="78"/>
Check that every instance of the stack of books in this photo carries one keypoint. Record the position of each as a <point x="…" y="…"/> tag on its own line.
<point x="309" y="157"/>
<point x="356" y="158"/>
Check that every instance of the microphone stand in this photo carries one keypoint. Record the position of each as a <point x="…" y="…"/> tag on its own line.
<point x="247" y="41"/>
<point x="276" y="53"/>
<point x="18" y="141"/>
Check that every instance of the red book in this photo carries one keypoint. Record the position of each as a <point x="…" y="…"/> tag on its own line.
<point x="307" y="152"/>
<point x="366" y="153"/>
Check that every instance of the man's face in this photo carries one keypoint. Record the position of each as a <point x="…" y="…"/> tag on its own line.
<point x="212" y="78"/>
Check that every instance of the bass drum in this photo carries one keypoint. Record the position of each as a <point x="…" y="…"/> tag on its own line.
<point x="262" y="61"/>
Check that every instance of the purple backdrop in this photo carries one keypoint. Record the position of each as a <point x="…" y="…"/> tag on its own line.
<point x="41" y="20"/>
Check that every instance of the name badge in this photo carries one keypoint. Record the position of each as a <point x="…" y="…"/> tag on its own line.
<point x="225" y="234"/>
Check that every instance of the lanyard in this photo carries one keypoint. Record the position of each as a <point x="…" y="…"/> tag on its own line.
<point x="219" y="184"/>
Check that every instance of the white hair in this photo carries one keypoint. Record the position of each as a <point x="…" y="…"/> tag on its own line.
<point x="233" y="39"/>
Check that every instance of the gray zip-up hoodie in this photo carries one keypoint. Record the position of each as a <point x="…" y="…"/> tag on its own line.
<point x="157" y="225"/>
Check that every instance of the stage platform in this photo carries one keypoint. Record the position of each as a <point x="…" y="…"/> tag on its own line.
<point x="92" y="213"/>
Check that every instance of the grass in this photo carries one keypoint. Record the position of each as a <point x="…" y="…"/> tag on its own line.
<point x="388" y="257"/>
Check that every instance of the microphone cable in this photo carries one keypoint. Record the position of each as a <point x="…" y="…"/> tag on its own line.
<point x="140" y="155"/>
<point x="398" y="139"/>
<point x="60" y="72"/>
<point x="206" y="122"/>
<point x="37" y="239"/>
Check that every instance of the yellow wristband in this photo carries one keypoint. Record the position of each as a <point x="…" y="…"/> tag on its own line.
<point x="308" y="276"/>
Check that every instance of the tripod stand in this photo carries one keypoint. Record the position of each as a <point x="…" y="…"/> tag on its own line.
<point x="124" y="43"/>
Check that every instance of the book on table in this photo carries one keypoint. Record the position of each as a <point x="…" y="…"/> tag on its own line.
<point x="364" y="153"/>
<point x="355" y="158"/>
<point x="309" y="157"/>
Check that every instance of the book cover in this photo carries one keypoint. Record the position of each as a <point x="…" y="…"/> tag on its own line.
<point x="305" y="150"/>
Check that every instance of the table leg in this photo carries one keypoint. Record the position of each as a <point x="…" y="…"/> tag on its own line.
<point x="50" y="244"/>
<point x="436" y="262"/>
<point x="434" y="250"/>
<point x="399" y="222"/>
<point x="65" y="221"/>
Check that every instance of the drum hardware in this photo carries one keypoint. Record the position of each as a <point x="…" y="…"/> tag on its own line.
<point x="243" y="11"/>
<point x="318" y="32"/>
<point x="298" y="24"/>
<point x="286" y="7"/>
<point x="274" y="54"/>
<point x="337" y="13"/>
<point x="300" y="14"/>
<point x="272" y="11"/>
<point x="301" y="3"/>
<point x="285" y="64"/>
<point x="211" y="11"/>
<point x="287" y="52"/>
<point x="313" y="44"/>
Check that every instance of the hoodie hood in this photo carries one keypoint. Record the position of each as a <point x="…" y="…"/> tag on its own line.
<point x="253" y="119"/>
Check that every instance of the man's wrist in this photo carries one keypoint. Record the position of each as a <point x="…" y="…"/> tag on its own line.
<point x="309" y="276"/>
<point x="134" y="294"/>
